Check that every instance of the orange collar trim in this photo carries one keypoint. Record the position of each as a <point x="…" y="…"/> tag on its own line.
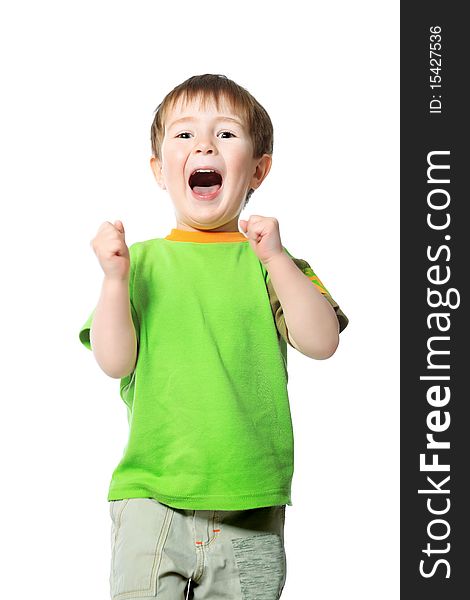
<point x="181" y="235"/>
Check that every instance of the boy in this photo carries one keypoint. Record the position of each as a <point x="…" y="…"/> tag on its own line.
<point x="196" y="326"/>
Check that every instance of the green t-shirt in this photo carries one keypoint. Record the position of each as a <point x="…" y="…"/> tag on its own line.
<point x="207" y="403"/>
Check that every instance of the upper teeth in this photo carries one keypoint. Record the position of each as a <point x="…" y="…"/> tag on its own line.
<point x="204" y="171"/>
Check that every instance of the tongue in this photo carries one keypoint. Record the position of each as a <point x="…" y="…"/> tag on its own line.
<point x="205" y="190"/>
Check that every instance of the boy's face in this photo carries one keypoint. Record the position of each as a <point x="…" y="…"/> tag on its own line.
<point x="208" y="139"/>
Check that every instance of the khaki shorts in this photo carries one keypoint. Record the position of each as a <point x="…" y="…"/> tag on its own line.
<point x="157" y="549"/>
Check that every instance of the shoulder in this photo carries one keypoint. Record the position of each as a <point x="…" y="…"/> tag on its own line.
<point x="143" y="247"/>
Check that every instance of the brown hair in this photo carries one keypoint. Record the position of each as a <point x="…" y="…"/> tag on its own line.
<point x="215" y="87"/>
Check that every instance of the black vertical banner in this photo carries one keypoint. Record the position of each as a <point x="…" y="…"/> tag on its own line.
<point x="434" y="292"/>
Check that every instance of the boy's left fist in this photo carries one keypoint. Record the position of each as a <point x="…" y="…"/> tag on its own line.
<point x="263" y="235"/>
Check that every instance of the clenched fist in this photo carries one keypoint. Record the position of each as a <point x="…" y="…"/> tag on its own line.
<point x="110" y="247"/>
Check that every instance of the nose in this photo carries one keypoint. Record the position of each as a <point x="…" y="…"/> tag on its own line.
<point x="204" y="149"/>
<point x="205" y="146"/>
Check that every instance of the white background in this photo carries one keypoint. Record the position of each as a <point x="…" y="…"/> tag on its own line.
<point x="80" y="83"/>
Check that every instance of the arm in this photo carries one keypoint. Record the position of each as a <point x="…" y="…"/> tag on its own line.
<point x="112" y="333"/>
<point x="310" y="319"/>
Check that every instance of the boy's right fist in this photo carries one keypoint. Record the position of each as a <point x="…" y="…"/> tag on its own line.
<point x="110" y="248"/>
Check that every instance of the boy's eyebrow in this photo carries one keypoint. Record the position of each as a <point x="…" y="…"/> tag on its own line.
<point x="221" y="118"/>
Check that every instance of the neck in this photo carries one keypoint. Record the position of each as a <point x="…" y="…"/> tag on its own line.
<point x="231" y="226"/>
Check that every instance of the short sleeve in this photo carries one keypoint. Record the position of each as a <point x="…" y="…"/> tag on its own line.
<point x="276" y="307"/>
<point x="84" y="333"/>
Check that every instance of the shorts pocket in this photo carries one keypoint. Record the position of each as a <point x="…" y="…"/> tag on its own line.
<point x="139" y="530"/>
<point x="261" y="565"/>
<point x="113" y="507"/>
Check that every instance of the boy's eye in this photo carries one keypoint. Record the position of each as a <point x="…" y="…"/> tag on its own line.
<point x="229" y="132"/>
<point x="187" y="133"/>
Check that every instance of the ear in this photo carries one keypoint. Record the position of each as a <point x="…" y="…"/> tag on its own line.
<point x="156" y="166"/>
<point x="263" y="166"/>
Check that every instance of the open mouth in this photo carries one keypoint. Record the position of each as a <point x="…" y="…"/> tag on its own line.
<point x="205" y="183"/>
